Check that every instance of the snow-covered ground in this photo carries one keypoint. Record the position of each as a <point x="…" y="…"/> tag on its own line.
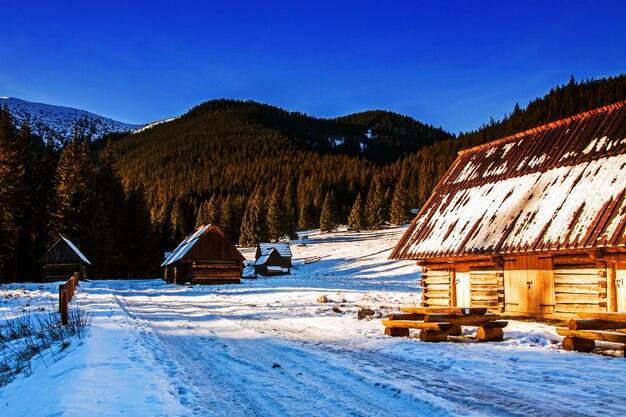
<point x="268" y="348"/>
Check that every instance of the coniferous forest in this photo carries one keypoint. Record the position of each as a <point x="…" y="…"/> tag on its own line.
<point x="257" y="171"/>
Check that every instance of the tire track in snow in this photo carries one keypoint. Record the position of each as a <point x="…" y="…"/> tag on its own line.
<point x="304" y="385"/>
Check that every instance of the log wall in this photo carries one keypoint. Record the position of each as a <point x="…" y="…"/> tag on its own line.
<point x="580" y="287"/>
<point x="487" y="288"/>
<point x="436" y="288"/>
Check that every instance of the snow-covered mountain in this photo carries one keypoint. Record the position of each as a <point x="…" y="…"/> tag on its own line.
<point x="59" y="124"/>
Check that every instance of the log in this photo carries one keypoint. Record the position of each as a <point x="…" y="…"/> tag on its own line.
<point x="396" y="331"/>
<point x="454" y="330"/>
<point x="438" y="302"/>
<point x="576" y="308"/>
<point x="436" y="280"/>
<point x="437" y="287"/>
<point x="577" y="298"/>
<point x="578" y="344"/>
<point x="496" y="324"/>
<point x="591" y="324"/>
<point x="433" y="336"/>
<point x="601" y="315"/>
<point x="576" y="279"/>
<point x="461" y="320"/>
<point x="490" y="334"/>
<point x="436" y="294"/>
<point x="468" y="311"/>
<point x="593" y="335"/>
<point x="440" y="327"/>
<point x="410" y="316"/>
<point x="576" y="289"/>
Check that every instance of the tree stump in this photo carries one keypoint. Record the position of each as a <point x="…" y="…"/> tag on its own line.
<point x="433" y="336"/>
<point x="489" y="334"/>
<point x="578" y="344"/>
<point x="396" y="332"/>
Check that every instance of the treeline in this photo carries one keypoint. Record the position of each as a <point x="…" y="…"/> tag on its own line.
<point x="256" y="171"/>
<point x="45" y="193"/>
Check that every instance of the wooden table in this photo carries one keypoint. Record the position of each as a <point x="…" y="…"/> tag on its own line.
<point x="437" y="323"/>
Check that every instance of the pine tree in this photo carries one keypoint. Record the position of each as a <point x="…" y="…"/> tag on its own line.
<point x="203" y="214"/>
<point x="253" y="226"/>
<point x="275" y="216"/>
<point x="375" y="206"/>
<point x="329" y="218"/>
<point x="11" y="184"/>
<point x="400" y="206"/>
<point x="306" y="220"/>
<point x="228" y="219"/>
<point x="355" y="219"/>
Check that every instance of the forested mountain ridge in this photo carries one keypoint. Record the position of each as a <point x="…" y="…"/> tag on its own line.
<point x="257" y="171"/>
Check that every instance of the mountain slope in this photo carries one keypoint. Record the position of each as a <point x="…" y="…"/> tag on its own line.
<point x="59" y="124"/>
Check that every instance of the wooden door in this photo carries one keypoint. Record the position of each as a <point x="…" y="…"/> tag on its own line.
<point x="529" y="284"/>
<point x="620" y="286"/>
<point x="462" y="285"/>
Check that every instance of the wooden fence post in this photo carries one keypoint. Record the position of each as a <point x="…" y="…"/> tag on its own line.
<point x="61" y="289"/>
<point x="64" y="308"/>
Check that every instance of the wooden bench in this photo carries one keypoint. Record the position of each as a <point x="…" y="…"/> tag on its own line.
<point x="581" y="334"/>
<point x="437" y="323"/>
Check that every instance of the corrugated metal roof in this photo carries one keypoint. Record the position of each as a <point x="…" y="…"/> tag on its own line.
<point x="283" y="248"/>
<point x="558" y="186"/>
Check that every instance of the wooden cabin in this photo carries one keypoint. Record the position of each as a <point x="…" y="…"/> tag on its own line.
<point x="273" y="259"/>
<point x="204" y="257"/>
<point x="62" y="260"/>
<point x="532" y="224"/>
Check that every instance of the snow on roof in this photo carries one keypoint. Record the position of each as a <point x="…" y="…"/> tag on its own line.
<point x="559" y="186"/>
<point x="262" y="259"/>
<point x="184" y="246"/>
<point x="75" y="249"/>
<point x="283" y="248"/>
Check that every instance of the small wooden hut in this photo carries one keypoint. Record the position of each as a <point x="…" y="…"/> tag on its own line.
<point x="273" y="259"/>
<point x="531" y="224"/>
<point x="62" y="260"/>
<point x="204" y="257"/>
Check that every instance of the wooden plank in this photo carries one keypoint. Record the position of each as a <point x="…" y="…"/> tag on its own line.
<point x="486" y="280"/>
<point x="576" y="279"/>
<point x="576" y="271"/>
<point x="461" y="320"/>
<point x="591" y="324"/>
<point x="493" y="324"/>
<point x="488" y="304"/>
<point x="472" y="311"/>
<point x="436" y="294"/>
<point x="437" y="287"/>
<point x="438" y="302"/>
<point x="406" y="324"/>
<point x="593" y="335"/>
<point x="410" y="316"/>
<point x="577" y="298"/>
<point x="436" y="280"/>
<point x="576" y="308"/>
<point x="619" y="317"/>
<point x="487" y="288"/>
<point x="576" y="289"/>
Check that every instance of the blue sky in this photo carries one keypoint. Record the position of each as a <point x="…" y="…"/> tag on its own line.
<point x="451" y="64"/>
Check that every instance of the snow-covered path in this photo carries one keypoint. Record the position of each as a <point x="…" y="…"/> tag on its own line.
<point x="268" y="348"/>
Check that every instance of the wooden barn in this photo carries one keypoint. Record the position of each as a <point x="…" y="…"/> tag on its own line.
<point x="204" y="257"/>
<point x="273" y="259"/>
<point x="62" y="260"/>
<point x="531" y="224"/>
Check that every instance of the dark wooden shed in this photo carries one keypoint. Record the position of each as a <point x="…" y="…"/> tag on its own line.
<point x="272" y="263"/>
<point x="531" y="224"/>
<point x="62" y="260"/>
<point x="204" y="257"/>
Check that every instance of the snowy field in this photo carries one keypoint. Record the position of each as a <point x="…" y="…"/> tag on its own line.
<point x="268" y="348"/>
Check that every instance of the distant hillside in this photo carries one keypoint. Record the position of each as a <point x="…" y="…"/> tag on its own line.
<point x="59" y="124"/>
